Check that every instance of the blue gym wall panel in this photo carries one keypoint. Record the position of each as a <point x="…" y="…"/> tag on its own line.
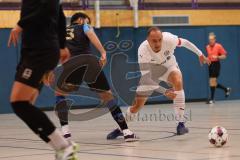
<point x="195" y="76"/>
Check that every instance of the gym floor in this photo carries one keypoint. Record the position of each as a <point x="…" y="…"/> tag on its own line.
<point x="154" y="125"/>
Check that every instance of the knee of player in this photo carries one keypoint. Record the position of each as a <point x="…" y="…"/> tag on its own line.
<point x="20" y="97"/>
<point x="22" y="92"/>
<point x="178" y="84"/>
<point x="14" y="97"/>
<point x="213" y="82"/>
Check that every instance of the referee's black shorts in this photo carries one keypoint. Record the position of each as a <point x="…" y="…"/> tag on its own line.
<point x="80" y="75"/>
<point x="214" y="69"/>
<point x="34" y="64"/>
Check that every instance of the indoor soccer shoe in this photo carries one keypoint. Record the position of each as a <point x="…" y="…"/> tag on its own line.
<point x="75" y="146"/>
<point x="131" y="138"/>
<point x="228" y="92"/>
<point x="114" y="134"/>
<point x="181" y="129"/>
<point x="210" y="101"/>
<point x="69" y="153"/>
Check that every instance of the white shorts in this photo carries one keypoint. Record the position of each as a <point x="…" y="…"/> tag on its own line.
<point x="147" y="86"/>
<point x="171" y="69"/>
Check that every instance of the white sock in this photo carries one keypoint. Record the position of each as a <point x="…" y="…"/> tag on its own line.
<point x="65" y="129"/>
<point x="57" y="140"/>
<point x="127" y="132"/>
<point x="179" y="106"/>
<point x="129" y="115"/>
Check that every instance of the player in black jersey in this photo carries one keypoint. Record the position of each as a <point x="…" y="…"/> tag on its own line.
<point x="79" y="36"/>
<point x="42" y="25"/>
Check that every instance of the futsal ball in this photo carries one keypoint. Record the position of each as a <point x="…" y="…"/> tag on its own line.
<point x="218" y="136"/>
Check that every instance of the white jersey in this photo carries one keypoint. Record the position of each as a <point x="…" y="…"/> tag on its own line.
<point x="156" y="67"/>
<point x="165" y="57"/>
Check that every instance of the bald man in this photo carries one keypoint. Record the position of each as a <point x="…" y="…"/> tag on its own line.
<point x="158" y="63"/>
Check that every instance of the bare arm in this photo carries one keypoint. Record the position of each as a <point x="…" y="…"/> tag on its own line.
<point x="223" y="53"/>
<point x="222" y="57"/>
<point x="95" y="41"/>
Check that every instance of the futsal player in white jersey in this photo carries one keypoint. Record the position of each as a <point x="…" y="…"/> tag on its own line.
<point x="158" y="63"/>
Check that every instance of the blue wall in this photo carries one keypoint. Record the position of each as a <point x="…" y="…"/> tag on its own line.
<point x="195" y="77"/>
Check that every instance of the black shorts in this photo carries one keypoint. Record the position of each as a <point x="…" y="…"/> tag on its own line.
<point x="95" y="78"/>
<point x="34" y="64"/>
<point x="214" y="69"/>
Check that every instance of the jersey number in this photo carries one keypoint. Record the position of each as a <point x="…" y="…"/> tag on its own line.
<point x="70" y="34"/>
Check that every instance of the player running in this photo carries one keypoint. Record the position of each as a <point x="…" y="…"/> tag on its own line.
<point x="42" y="25"/>
<point x="158" y="63"/>
<point x="79" y="37"/>
<point x="216" y="53"/>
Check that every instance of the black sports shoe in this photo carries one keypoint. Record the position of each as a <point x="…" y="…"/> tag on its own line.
<point x="181" y="129"/>
<point x="228" y="92"/>
<point x="114" y="134"/>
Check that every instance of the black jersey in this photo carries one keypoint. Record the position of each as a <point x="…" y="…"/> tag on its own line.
<point x="77" y="41"/>
<point x="43" y="24"/>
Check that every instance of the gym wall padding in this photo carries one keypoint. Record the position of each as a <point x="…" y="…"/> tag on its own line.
<point x="195" y="76"/>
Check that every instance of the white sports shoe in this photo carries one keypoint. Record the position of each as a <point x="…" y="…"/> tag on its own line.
<point x="130" y="116"/>
<point x="69" y="153"/>
<point x="129" y="136"/>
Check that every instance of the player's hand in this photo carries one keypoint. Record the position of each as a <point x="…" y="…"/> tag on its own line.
<point x="170" y="94"/>
<point x="215" y="57"/>
<point x="14" y="36"/>
<point x="204" y="60"/>
<point x="103" y="59"/>
<point x="64" y="55"/>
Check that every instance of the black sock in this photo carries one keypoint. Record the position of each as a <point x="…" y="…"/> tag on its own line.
<point x="62" y="110"/>
<point x="117" y="114"/>
<point x="212" y="92"/>
<point x="35" y="119"/>
<point x="222" y="87"/>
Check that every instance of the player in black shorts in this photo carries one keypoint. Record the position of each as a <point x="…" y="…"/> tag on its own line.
<point x="42" y="25"/>
<point x="79" y="36"/>
<point x="216" y="53"/>
<point x="214" y="69"/>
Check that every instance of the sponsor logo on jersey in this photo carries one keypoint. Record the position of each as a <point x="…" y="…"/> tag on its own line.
<point x="167" y="53"/>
